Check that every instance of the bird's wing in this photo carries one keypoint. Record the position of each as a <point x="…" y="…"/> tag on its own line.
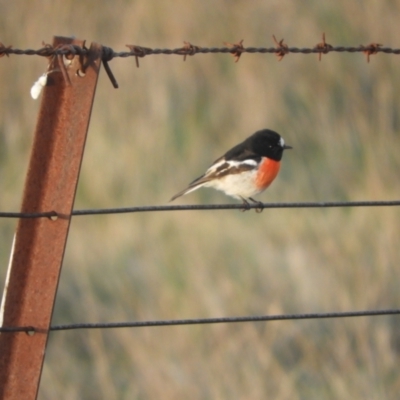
<point x="219" y="169"/>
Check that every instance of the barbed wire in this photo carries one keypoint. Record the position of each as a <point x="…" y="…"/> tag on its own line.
<point x="203" y="321"/>
<point x="126" y="210"/>
<point x="191" y="50"/>
<point x="235" y="49"/>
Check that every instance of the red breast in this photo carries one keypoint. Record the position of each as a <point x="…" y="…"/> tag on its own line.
<point x="267" y="172"/>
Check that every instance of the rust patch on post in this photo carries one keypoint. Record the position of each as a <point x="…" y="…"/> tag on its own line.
<point x="50" y="185"/>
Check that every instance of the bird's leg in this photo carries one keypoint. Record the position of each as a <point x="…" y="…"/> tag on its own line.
<point x="260" y="207"/>
<point x="246" y="205"/>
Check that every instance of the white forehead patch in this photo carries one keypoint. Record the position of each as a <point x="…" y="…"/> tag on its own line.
<point x="281" y="142"/>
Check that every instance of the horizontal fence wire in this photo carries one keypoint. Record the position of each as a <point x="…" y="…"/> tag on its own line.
<point x="192" y="207"/>
<point x="204" y="321"/>
<point x="235" y="49"/>
<point x="190" y="50"/>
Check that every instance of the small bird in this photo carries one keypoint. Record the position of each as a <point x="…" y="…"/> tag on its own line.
<point x="245" y="170"/>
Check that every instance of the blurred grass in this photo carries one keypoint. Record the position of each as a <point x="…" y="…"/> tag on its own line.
<point x="164" y="125"/>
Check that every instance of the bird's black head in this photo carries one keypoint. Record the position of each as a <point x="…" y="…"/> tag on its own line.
<point x="267" y="143"/>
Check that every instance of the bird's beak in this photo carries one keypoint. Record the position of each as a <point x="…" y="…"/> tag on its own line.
<point x="286" y="147"/>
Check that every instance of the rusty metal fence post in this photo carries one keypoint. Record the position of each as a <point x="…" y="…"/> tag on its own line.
<point x="50" y="185"/>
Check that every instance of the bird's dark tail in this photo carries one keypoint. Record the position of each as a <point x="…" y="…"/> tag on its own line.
<point x="196" y="184"/>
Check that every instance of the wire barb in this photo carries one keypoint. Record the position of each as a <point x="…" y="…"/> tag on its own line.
<point x="4" y="49"/>
<point x="323" y="47"/>
<point x="189" y="50"/>
<point x="371" y="49"/>
<point x="237" y="49"/>
<point x="281" y="48"/>
<point x="138" y="51"/>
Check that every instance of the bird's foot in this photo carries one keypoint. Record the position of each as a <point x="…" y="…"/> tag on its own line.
<point x="260" y="207"/>
<point x="246" y="205"/>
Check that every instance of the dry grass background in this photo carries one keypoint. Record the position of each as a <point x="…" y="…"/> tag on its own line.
<point x="162" y="128"/>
